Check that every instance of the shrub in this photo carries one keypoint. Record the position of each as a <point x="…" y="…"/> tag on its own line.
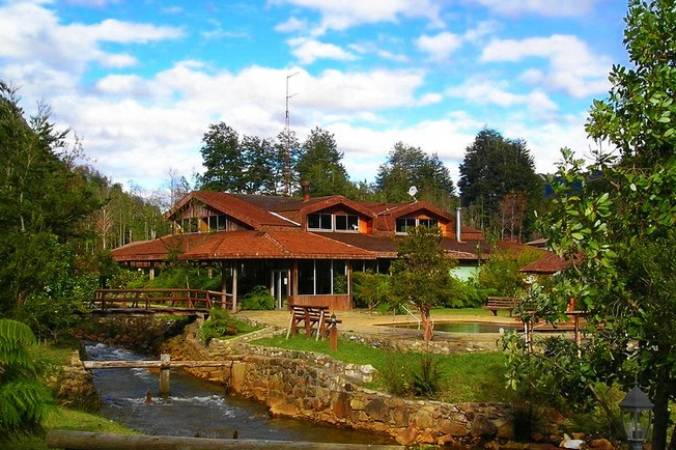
<point x="394" y="374"/>
<point x="466" y="294"/>
<point x="501" y="272"/>
<point x="258" y="298"/>
<point x="371" y="289"/>
<point x="23" y="398"/>
<point x="184" y="276"/>
<point x="426" y="377"/>
<point x="221" y="324"/>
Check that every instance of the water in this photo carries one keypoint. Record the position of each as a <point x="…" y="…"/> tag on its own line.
<point x="198" y="408"/>
<point x="463" y="327"/>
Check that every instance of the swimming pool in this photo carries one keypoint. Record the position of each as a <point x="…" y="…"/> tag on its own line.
<point x="462" y="327"/>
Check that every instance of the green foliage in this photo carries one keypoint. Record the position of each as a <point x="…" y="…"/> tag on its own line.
<point x="221" y="324"/>
<point x="371" y="289"/>
<point x="466" y="294"/>
<point x="500" y="274"/>
<point x="420" y="274"/>
<point x="408" y="166"/>
<point x="222" y="158"/>
<point x="492" y="168"/>
<point x="426" y="377"/>
<point x="320" y="163"/>
<point x="258" y="298"/>
<point x="394" y="374"/>
<point x="183" y="276"/>
<point x="23" y="398"/>
<point x="339" y="284"/>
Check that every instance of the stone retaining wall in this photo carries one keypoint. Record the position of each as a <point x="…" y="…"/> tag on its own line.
<point x="73" y="386"/>
<point x="313" y="387"/>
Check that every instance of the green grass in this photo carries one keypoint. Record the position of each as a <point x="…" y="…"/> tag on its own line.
<point x="466" y="377"/>
<point x="66" y="419"/>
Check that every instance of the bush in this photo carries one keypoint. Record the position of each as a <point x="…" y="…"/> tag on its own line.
<point x="258" y="298"/>
<point x="501" y="272"/>
<point x="184" y="276"/>
<point x="466" y="294"/>
<point x="23" y="398"/>
<point x="221" y="324"/>
<point x="426" y="377"/>
<point x="371" y="289"/>
<point x="394" y="374"/>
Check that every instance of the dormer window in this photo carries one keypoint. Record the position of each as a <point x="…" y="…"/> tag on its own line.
<point x="404" y="224"/>
<point x="333" y="222"/>
<point x="218" y="223"/>
<point x="347" y="222"/>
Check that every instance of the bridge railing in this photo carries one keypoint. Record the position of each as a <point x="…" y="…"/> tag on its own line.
<point x="158" y="299"/>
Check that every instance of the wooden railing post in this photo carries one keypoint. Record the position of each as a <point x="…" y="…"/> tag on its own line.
<point x="165" y="370"/>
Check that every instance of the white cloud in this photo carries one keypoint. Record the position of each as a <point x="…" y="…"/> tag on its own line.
<point x="291" y="25"/>
<point x="573" y="66"/>
<point x="33" y="33"/>
<point x="343" y="14"/>
<point x="495" y="92"/>
<point x="439" y="47"/>
<point x="220" y="33"/>
<point x="309" y="50"/>
<point x="430" y="99"/>
<point x="550" y="8"/>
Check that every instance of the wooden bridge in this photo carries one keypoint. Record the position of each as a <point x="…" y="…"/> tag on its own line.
<point x="150" y="301"/>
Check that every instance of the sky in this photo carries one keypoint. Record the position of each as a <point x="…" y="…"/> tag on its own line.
<point x="139" y="82"/>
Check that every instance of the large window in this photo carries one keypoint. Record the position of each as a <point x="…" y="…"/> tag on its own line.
<point x="404" y="224"/>
<point x="347" y="222"/>
<point x="306" y="277"/>
<point x="190" y="225"/>
<point x="319" y="222"/>
<point x="218" y="223"/>
<point x="322" y="277"/>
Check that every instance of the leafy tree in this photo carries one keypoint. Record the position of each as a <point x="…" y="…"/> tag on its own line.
<point x="257" y="156"/>
<point x="222" y="157"/>
<point x="43" y="201"/>
<point x="420" y="274"/>
<point x="494" y="167"/>
<point x="409" y="166"/>
<point x="23" y="398"/>
<point x="321" y="164"/>
<point x="371" y="289"/>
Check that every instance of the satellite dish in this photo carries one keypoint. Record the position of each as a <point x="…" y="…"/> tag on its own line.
<point x="412" y="191"/>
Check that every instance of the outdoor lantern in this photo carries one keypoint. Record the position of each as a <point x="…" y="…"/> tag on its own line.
<point x="636" y="408"/>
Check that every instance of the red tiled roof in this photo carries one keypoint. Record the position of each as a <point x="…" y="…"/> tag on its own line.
<point x="235" y="207"/>
<point x="244" y="244"/>
<point x="549" y="263"/>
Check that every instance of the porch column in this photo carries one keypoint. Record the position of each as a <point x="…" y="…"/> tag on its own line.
<point x="224" y="285"/>
<point x="349" y="277"/>
<point x="151" y="273"/>
<point x="294" y="278"/>
<point x="234" y="286"/>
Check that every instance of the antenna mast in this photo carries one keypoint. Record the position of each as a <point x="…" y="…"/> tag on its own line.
<point x="287" y="150"/>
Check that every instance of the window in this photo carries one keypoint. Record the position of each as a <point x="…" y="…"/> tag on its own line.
<point x="323" y="274"/>
<point x="319" y="221"/>
<point x="427" y="223"/>
<point x="194" y="224"/>
<point x="404" y="223"/>
<point x="347" y="222"/>
<point x="306" y="277"/>
<point x="218" y="223"/>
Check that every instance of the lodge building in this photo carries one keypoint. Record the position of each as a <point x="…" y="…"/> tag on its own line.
<point x="303" y="250"/>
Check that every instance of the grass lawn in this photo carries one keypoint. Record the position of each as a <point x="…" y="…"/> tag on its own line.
<point x="66" y="419"/>
<point x="466" y="377"/>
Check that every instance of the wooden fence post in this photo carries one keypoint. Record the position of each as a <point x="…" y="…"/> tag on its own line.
<point x="165" y="370"/>
<point x="333" y="333"/>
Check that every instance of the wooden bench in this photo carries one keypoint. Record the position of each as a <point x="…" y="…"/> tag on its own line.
<point x="494" y="304"/>
<point x="312" y="319"/>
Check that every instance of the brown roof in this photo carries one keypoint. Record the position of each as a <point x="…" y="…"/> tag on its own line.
<point x="244" y="244"/>
<point x="549" y="263"/>
<point x="236" y="207"/>
<point x="386" y="246"/>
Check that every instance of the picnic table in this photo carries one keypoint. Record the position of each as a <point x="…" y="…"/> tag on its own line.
<point x="311" y="319"/>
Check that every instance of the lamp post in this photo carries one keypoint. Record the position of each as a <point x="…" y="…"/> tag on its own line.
<point x="636" y="408"/>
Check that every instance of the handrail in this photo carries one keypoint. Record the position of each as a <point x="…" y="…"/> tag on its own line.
<point x="159" y="298"/>
<point x="417" y="319"/>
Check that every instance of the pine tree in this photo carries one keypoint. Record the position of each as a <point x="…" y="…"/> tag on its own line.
<point x="257" y="156"/>
<point x="222" y="157"/>
<point x="321" y="164"/>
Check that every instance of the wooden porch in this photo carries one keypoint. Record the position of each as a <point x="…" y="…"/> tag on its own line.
<point x="335" y="302"/>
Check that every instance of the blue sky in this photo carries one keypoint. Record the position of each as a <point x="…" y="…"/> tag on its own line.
<point x="140" y="81"/>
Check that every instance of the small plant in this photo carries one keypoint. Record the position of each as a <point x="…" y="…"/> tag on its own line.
<point x="221" y="324"/>
<point x="426" y="378"/>
<point x="371" y="289"/>
<point x="258" y="298"/>
<point x="394" y="374"/>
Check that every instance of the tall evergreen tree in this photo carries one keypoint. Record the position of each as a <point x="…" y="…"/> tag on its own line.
<point x="221" y="155"/>
<point x="409" y="166"/>
<point x="321" y="164"/>
<point x="492" y="168"/>
<point x="258" y="158"/>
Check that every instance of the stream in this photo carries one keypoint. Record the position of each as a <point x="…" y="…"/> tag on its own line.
<point x="198" y="408"/>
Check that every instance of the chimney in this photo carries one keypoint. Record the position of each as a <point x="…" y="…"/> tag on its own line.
<point x="305" y="185"/>
<point x="458" y="224"/>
